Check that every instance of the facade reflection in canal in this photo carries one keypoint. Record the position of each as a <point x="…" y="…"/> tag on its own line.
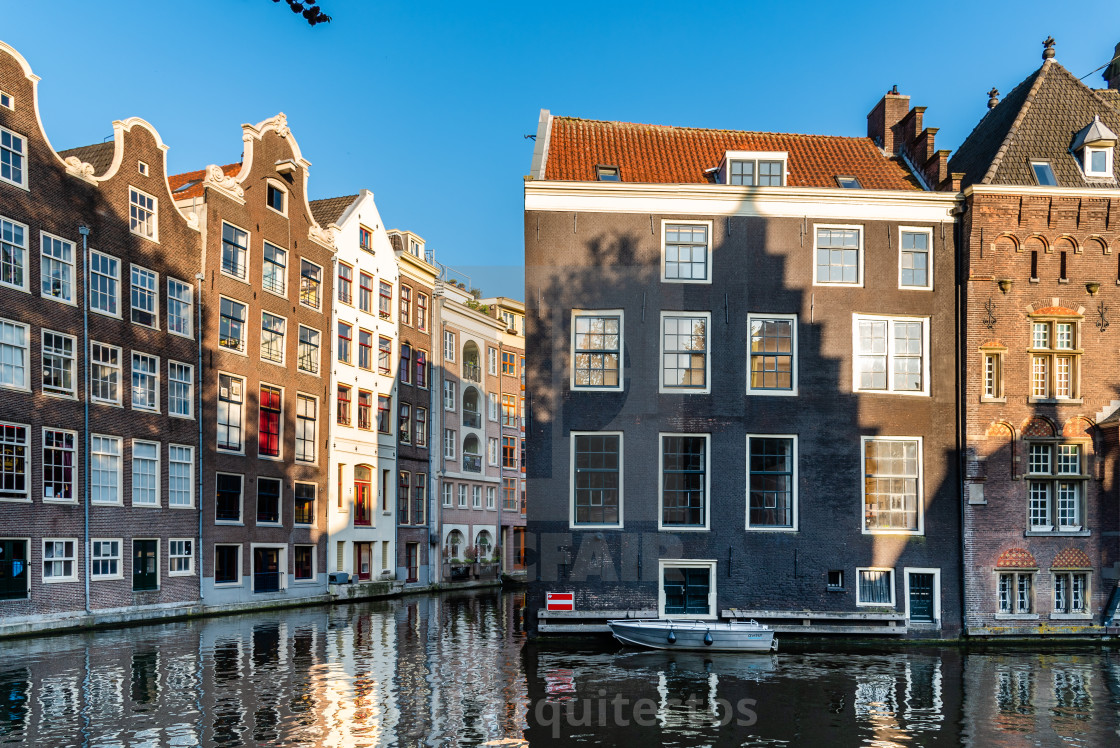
<point x="455" y="670"/>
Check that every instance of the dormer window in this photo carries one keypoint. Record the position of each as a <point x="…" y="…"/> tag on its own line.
<point x="1093" y="145"/>
<point x="607" y="173"/>
<point x="849" y="183"/>
<point x="1043" y="174"/>
<point x="754" y="169"/>
<point x="1098" y="162"/>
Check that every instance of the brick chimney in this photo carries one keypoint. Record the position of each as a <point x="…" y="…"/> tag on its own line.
<point x="883" y="120"/>
<point x="1112" y="72"/>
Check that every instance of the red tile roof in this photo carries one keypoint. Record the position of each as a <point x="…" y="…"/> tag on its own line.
<point x="1016" y="558"/>
<point x="1071" y="558"/>
<point x="191" y="183"/>
<point x="681" y="155"/>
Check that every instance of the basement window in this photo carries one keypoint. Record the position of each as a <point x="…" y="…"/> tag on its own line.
<point x="607" y="173"/>
<point x="836" y="580"/>
<point x="849" y="183"/>
<point x="1044" y="173"/>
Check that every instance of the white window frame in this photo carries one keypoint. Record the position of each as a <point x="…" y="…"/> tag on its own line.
<point x="492" y="360"/>
<point x="314" y="578"/>
<point x="119" y="369"/>
<point x="189" y="368"/>
<point x="314" y="502"/>
<point x="677" y="389"/>
<point x="240" y="561"/>
<point x="171" y="555"/>
<point x="25" y="266"/>
<point x="119" y="456"/>
<point x="1058" y="614"/>
<point x="27" y="461"/>
<point x="462" y="496"/>
<point x="73" y="577"/>
<point x="134" y="268"/>
<point x="190" y="462"/>
<point x="448" y="493"/>
<point x="449" y="396"/>
<point x="577" y="313"/>
<point x="75" y="476"/>
<point x="1053" y="479"/>
<point x="929" y="256"/>
<point x="7" y="101"/>
<point x="243" y="340"/>
<point x="449" y="346"/>
<point x="23" y="140"/>
<point x="319" y="306"/>
<point x="792" y="391"/>
<point x="476" y="497"/>
<point x="449" y="441"/>
<point x="71" y="298"/>
<point x="493" y="406"/>
<point x="283" y="339"/>
<point x="1087" y="159"/>
<point x="318" y="351"/>
<point x="301" y="396"/>
<point x="492" y="449"/>
<point x="1016" y="613"/>
<point x="188" y="303"/>
<point x="241" y="422"/>
<point x="283" y="275"/>
<point x="276" y="184"/>
<point x="94" y="558"/>
<point x="919" y="500"/>
<point x="755" y="156"/>
<point x="491" y="497"/>
<point x="794" y="478"/>
<point x="72" y="364"/>
<point x="890" y="354"/>
<point x="222" y="250"/>
<point x="661" y="480"/>
<point x="26" y="348"/>
<point x="894" y="596"/>
<point x="154" y="236"/>
<point x="114" y="280"/>
<point x="906" y="571"/>
<point x="689" y="563"/>
<point x="859" y="259"/>
<point x="158" y="475"/>
<point x="572" y="524"/>
<point x="132" y="383"/>
<point x="687" y="222"/>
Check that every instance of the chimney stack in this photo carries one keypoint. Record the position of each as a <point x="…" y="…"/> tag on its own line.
<point x="1112" y="72"/>
<point x="882" y="122"/>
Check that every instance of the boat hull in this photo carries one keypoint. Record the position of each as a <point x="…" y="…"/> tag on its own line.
<point x="702" y="636"/>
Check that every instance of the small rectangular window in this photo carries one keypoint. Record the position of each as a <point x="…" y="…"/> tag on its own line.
<point x="276" y="198"/>
<point x="607" y="173"/>
<point x="1043" y="173"/>
<point x="142" y="214"/>
<point x="849" y="183"/>
<point x="180" y="557"/>
<point x="13" y="155"/>
<point x="686" y="252"/>
<point x="876" y="587"/>
<point x="915" y="266"/>
<point x="839" y="251"/>
<point x="836" y="579"/>
<point x="6" y="100"/>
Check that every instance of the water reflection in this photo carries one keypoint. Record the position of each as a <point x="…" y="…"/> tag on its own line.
<point x="455" y="670"/>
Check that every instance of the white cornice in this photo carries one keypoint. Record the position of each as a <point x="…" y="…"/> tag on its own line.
<point x="1011" y="189"/>
<point x="734" y="200"/>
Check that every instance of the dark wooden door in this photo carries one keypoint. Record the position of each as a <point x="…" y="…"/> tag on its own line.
<point x="145" y="565"/>
<point x="921" y="597"/>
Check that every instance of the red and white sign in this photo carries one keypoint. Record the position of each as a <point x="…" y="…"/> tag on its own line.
<point x="560" y="600"/>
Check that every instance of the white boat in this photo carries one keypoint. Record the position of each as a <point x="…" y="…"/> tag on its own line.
<point x="700" y="635"/>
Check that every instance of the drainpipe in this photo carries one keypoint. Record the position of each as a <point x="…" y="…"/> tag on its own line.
<point x="501" y="457"/>
<point x="436" y="455"/>
<point x="962" y="440"/>
<point x="200" y="277"/>
<point x="84" y="231"/>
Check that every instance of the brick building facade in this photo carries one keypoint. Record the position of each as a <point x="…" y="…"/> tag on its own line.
<point x="96" y="378"/>
<point x="267" y="347"/>
<point x="1041" y="238"/>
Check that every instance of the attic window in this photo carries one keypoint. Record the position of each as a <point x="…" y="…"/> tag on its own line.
<point x="6" y="100"/>
<point x="1044" y="174"/>
<point x="1098" y="162"/>
<point x="607" y="173"/>
<point x="849" y="183"/>
<point x="142" y="168"/>
<point x="188" y="185"/>
<point x="754" y="169"/>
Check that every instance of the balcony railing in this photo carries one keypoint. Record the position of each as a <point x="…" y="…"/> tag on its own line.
<point x="472" y="419"/>
<point x="472" y="371"/>
<point x="472" y="463"/>
<point x="266" y="581"/>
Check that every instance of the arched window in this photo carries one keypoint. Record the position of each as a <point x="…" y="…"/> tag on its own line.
<point x="454" y="543"/>
<point x="485" y="545"/>
<point x="472" y="408"/>
<point x="472" y="362"/>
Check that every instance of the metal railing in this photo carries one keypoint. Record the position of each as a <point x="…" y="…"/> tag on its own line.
<point x="472" y="463"/>
<point x="472" y="419"/>
<point x="472" y="371"/>
<point x="266" y="581"/>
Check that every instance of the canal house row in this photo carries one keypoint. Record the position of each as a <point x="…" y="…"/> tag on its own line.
<point x="217" y="357"/>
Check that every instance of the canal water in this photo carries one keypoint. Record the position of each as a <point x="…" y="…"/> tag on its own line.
<point x="455" y="669"/>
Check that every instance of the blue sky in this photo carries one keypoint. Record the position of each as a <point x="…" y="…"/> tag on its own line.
<point x="426" y="104"/>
